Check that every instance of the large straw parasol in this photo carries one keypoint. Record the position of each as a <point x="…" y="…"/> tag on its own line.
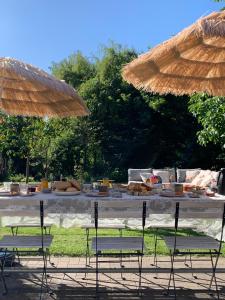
<point x="27" y="90"/>
<point x="192" y="61"/>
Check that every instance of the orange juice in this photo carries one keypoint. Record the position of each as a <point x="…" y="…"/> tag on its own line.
<point x="44" y="183"/>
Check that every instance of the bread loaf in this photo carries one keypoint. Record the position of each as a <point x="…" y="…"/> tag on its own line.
<point x="62" y="185"/>
<point x="75" y="184"/>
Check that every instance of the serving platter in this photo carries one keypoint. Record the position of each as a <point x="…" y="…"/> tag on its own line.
<point x="171" y="194"/>
<point x="67" y="193"/>
<point x="96" y="195"/>
<point x="7" y="194"/>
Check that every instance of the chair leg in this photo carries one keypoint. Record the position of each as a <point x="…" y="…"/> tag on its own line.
<point x="140" y="271"/>
<point x="121" y="266"/>
<point x="155" y="263"/>
<point x="2" y="276"/>
<point x="44" y="278"/>
<point x="155" y="245"/>
<point x="87" y="256"/>
<point x="214" y="265"/>
<point x="171" y="276"/>
<point x="195" y="276"/>
<point x="97" y="275"/>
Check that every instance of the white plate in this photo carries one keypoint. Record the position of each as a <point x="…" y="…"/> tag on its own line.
<point x="170" y="194"/>
<point x="67" y="193"/>
<point x="6" y="194"/>
<point x="27" y="195"/>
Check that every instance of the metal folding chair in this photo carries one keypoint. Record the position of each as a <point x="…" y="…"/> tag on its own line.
<point x="46" y="228"/>
<point x="157" y="236"/>
<point x="15" y="227"/>
<point x="90" y="227"/>
<point x="121" y="246"/>
<point x="25" y="243"/>
<point x="202" y="245"/>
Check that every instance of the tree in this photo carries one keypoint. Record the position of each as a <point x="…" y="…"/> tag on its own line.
<point x="210" y="113"/>
<point x="126" y="127"/>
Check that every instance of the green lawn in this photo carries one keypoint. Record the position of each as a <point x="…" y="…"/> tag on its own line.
<point x="72" y="241"/>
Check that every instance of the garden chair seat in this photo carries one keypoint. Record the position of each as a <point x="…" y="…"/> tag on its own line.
<point x="16" y="244"/>
<point x="183" y="245"/>
<point x="118" y="246"/>
<point x="117" y="243"/>
<point x="16" y="241"/>
<point x="15" y="227"/>
<point x="104" y="226"/>
<point x="171" y="226"/>
<point x="26" y="225"/>
<point x="157" y="237"/>
<point x="192" y="242"/>
<point x="91" y="226"/>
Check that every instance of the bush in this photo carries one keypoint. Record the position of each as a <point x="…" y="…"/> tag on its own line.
<point x="20" y="178"/>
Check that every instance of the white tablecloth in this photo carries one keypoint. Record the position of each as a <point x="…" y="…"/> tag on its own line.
<point x="70" y="211"/>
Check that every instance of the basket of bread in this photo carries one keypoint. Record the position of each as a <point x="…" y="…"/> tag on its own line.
<point x="139" y="189"/>
<point x="70" y="187"/>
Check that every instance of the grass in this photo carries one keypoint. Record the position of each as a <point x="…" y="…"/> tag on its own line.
<point x="72" y="241"/>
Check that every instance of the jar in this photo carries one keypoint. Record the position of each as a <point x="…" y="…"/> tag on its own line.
<point x="178" y="189"/>
<point x="14" y="188"/>
<point x="44" y="183"/>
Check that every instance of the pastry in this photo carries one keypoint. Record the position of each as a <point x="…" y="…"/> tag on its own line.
<point x="75" y="184"/>
<point x="61" y="185"/>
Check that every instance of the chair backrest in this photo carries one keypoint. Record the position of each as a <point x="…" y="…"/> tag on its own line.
<point x="201" y="209"/>
<point x="164" y="206"/>
<point x="119" y="209"/>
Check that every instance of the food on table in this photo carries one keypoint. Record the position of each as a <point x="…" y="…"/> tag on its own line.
<point x="121" y="187"/>
<point x="75" y="184"/>
<point x="138" y="189"/>
<point x="155" y="179"/>
<point x="66" y="186"/>
<point x="188" y="187"/>
<point x="103" y="188"/>
<point x="210" y="193"/>
<point x="14" y="188"/>
<point x="44" y="183"/>
<point x="62" y="185"/>
<point x="178" y="189"/>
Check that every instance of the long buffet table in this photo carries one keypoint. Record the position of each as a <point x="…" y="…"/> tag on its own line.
<point x="70" y="211"/>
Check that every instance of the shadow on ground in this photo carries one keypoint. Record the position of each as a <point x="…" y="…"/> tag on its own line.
<point x="71" y="288"/>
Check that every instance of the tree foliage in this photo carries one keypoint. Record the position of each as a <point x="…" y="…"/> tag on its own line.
<point x="210" y="113"/>
<point x="126" y="127"/>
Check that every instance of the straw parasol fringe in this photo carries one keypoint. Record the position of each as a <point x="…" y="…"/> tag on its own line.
<point x="27" y="90"/>
<point x="29" y="108"/>
<point x="192" y="61"/>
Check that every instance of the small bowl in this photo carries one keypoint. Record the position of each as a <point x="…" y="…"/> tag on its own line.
<point x="103" y="188"/>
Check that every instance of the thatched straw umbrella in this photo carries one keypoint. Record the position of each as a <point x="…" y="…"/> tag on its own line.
<point x="192" y="61"/>
<point x="27" y="90"/>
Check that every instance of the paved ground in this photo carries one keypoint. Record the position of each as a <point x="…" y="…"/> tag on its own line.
<point x="73" y="286"/>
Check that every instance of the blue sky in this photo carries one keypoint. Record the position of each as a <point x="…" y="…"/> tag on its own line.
<point x="42" y="31"/>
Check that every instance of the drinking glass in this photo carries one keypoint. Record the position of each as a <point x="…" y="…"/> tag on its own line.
<point x="87" y="187"/>
<point x="7" y="186"/>
<point x="23" y="188"/>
